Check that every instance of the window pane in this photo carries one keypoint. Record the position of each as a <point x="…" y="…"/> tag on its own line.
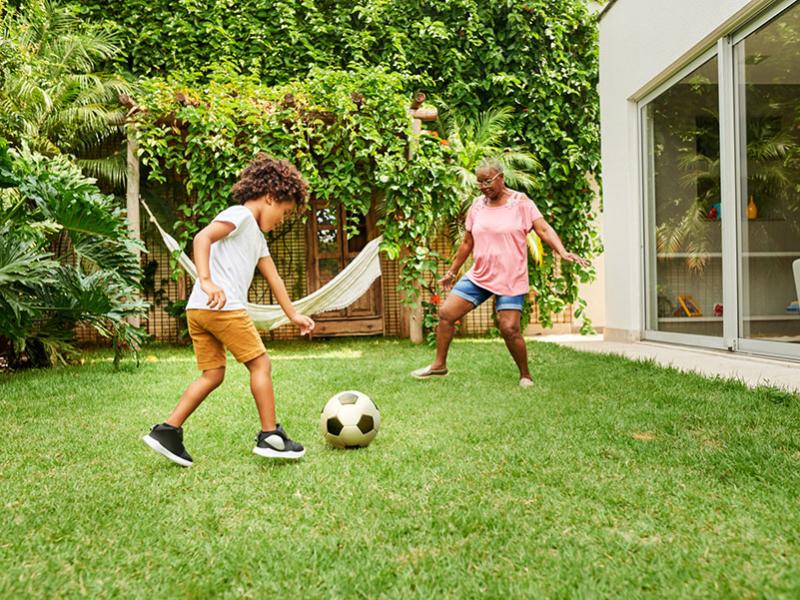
<point x="683" y="189"/>
<point x="328" y="269"/>
<point x="327" y="241"/>
<point x="768" y="65"/>
<point x="326" y="216"/>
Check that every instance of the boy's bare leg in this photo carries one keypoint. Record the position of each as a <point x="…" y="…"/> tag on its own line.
<point x="453" y="309"/>
<point x="197" y="391"/>
<point x="510" y="330"/>
<point x="261" y="386"/>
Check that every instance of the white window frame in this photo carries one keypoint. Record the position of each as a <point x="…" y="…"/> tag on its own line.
<point x="647" y="216"/>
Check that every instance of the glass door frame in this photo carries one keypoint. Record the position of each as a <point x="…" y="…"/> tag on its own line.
<point x="647" y="207"/>
<point x="733" y="174"/>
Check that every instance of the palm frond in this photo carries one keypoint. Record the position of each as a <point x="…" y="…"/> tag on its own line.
<point x="55" y="98"/>
<point x="481" y="138"/>
<point x="491" y="126"/>
<point x="112" y="169"/>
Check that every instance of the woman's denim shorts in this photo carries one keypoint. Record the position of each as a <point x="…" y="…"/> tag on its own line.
<point x="477" y="295"/>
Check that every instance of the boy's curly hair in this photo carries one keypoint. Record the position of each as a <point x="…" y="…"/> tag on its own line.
<point x="267" y="175"/>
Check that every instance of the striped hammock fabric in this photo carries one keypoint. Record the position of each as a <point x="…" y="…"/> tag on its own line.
<point x="341" y="291"/>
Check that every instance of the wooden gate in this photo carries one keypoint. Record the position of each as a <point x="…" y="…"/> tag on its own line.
<point x="329" y="250"/>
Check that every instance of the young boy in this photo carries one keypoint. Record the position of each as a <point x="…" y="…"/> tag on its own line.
<point x="226" y="253"/>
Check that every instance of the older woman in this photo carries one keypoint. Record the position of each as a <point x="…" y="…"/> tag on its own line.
<point x="497" y="225"/>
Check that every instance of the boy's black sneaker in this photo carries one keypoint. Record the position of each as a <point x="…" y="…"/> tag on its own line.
<point x="276" y="444"/>
<point x="167" y="440"/>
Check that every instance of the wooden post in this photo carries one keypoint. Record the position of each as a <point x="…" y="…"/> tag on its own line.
<point x="132" y="190"/>
<point x="418" y="115"/>
<point x="132" y="198"/>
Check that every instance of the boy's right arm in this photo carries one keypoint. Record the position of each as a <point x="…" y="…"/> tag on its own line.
<point x="202" y="251"/>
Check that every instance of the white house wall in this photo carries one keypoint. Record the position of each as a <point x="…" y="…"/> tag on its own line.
<point x="641" y="43"/>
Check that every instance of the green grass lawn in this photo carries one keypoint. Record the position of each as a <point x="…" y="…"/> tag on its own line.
<point x="610" y="478"/>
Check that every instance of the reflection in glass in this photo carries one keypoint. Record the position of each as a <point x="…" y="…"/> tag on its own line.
<point x="327" y="240"/>
<point x="328" y="269"/>
<point x="326" y="216"/>
<point x="682" y="156"/>
<point x="768" y="70"/>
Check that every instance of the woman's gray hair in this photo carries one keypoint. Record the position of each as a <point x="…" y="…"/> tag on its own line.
<point x="491" y="164"/>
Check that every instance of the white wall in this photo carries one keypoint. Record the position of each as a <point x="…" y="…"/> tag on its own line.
<point x="594" y="6"/>
<point x="640" y="41"/>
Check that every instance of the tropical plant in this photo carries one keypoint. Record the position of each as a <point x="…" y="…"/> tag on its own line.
<point x="474" y="140"/>
<point x="52" y="97"/>
<point x="65" y="258"/>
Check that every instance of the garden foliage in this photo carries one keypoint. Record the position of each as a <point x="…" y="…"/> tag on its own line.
<point x="535" y="59"/>
<point x="65" y="258"/>
<point x="323" y="84"/>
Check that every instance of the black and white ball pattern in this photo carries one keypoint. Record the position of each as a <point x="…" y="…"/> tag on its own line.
<point x="350" y="420"/>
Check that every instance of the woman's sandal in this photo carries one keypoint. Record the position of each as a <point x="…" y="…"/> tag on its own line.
<point x="427" y="372"/>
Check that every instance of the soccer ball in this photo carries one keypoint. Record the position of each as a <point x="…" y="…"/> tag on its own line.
<point x="350" y="420"/>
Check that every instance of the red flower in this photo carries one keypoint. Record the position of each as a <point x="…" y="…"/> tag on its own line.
<point x="435" y="299"/>
<point x="444" y="142"/>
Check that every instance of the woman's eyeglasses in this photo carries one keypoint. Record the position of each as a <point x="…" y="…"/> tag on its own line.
<point x="488" y="182"/>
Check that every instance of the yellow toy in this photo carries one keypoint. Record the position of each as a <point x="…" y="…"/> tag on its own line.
<point x="689" y="307"/>
<point x="535" y="248"/>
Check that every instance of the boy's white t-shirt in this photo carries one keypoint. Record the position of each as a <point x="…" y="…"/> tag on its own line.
<point x="233" y="259"/>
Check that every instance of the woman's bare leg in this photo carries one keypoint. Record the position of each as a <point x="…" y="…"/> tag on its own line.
<point x="510" y="330"/>
<point x="453" y="309"/>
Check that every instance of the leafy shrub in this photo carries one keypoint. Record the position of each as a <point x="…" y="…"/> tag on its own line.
<point x="65" y="258"/>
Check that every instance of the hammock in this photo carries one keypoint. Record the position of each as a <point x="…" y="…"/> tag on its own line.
<point x="340" y="292"/>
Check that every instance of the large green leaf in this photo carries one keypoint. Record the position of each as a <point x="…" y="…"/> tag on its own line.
<point x="94" y="279"/>
<point x="25" y="270"/>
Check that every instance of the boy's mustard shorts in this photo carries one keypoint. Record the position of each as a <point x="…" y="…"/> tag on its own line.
<point x="213" y="331"/>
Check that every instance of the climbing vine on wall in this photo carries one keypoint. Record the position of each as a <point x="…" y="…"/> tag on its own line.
<point x="538" y="58"/>
<point x="347" y="132"/>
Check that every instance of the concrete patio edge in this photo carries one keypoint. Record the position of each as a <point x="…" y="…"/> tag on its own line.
<point x="752" y="370"/>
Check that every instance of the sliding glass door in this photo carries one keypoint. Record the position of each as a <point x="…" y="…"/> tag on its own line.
<point x="767" y="76"/>
<point x="683" y="208"/>
<point x="721" y="189"/>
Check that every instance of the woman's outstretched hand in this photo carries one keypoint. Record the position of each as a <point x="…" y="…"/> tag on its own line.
<point x="571" y="257"/>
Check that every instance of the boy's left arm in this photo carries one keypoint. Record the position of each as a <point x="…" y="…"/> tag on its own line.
<point x="266" y="267"/>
